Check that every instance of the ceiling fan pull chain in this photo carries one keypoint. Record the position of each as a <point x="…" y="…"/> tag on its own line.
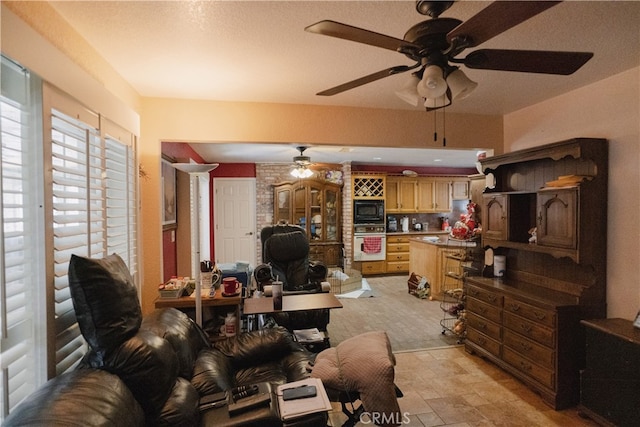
<point x="435" y="128"/>
<point x="444" y="126"/>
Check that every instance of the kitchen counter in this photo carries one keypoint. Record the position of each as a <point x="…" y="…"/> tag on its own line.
<point x="427" y="258"/>
<point x="416" y="233"/>
<point x="443" y="241"/>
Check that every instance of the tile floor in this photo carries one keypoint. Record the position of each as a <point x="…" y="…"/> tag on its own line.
<point x="443" y="385"/>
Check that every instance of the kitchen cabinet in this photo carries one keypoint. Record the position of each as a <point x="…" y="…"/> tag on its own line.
<point x="401" y="195"/>
<point x="428" y="258"/>
<point x="373" y="267"/>
<point x="397" y="254"/>
<point x="528" y="321"/>
<point x="460" y="190"/>
<point x="315" y="206"/>
<point x="434" y="195"/>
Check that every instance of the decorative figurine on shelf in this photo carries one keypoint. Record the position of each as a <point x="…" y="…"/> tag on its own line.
<point x="465" y="228"/>
<point x="534" y="235"/>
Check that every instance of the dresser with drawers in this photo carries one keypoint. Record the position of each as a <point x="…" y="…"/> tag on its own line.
<point x="528" y="321"/>
<point x="532" y="333"/>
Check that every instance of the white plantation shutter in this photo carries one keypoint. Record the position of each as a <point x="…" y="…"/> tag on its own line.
<point x="121" y="184"/>
<point x="78" y="222"/>
<point x="94" y="205"/>
<point x="69" y="182"/>
<point x="21" y="242"/>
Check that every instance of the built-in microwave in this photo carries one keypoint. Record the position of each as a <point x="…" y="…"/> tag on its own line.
<point x="368" y="211"/>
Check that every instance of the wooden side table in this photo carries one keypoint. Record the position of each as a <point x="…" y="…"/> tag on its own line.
<point x="217" y="304"/>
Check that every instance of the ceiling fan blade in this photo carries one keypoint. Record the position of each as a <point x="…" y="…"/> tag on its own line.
<point x="360" y="35"/>
<point x="496" y="18"/>
<point x="527" y="61"/>
<point x="366" y="79"/>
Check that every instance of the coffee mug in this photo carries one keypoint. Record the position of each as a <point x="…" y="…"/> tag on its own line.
<point x="230" y="285"/>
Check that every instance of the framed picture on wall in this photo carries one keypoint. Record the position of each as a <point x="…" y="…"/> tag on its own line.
<point x="169" y="219"/>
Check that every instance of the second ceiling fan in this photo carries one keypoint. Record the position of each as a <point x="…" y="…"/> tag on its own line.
<point x="435" y="44"/>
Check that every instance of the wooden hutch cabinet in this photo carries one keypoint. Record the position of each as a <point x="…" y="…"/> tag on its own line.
<point x="528" y="322"/>
<point x="316" y="206"/>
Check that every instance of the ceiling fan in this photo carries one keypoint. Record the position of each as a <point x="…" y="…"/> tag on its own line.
<point x="435" y="46"/>
<point x="301" y="163"/>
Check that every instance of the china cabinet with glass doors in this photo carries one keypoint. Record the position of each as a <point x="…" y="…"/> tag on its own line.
<point x="315" y="206"/>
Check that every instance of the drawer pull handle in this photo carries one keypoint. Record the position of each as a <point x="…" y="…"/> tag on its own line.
<point x="482" y="325"/>
<point x="515" y="307"/>
<point x="525" y="346"/>
<point x="492" y="298"/>
<point x="526" y="366"/>
<point x="473" y="292"/>
<point x="482" y="310"/>
<point x="539" y="316"/>
<point x="525" y="327"/>
<point x="482" y="341"/>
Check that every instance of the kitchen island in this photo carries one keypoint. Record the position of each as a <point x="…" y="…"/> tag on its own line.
<point x="427" y="258"/>
<point x="397" y="253"/>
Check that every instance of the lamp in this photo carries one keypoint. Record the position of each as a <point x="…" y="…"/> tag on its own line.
<point x="437" y="87"/>
<point x="433" y="84"/>
<point x="195" y="168"/>
<point x="409" y="91"/>
<point x="301" y="172"/>
<point x="197" y="172"/>
<point x="439" y="102"/>
<point x="301" y="165"/>
<point x="461" y="85"/>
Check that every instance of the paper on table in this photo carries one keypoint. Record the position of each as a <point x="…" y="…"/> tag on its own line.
<point x="308" y="405"/>
<point x="308" y="335"/>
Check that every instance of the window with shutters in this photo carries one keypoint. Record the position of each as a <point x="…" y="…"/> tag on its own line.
<point x="22" y="358"/>
<point x="69" y="186"/>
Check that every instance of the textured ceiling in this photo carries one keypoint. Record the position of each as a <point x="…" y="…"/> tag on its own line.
<point x="259" y="51"/>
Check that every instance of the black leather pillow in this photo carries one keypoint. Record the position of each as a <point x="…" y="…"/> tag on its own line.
<point x="105" y="300"/>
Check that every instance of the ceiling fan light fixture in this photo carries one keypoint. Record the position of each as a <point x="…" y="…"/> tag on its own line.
<point x="409" y="91"/>
<point x="439" y="102"/>
<point x="301" y="172"/>
<point x="433" y="84"/>
<point x="461" y="85"/>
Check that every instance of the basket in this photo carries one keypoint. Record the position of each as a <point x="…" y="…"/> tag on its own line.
<point x="171" y="293"/>
<point x="342" y="282"/>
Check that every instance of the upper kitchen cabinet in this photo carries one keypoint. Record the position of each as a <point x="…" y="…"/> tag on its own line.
<point x="557" y="190"/>
<point x="315" y="206"/>
<point x="401" y="195"/>
<point x="434" y="195"/>
<point x="460" y="189"/>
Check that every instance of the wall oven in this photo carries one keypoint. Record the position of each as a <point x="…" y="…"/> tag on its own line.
<point x="369" y="243"/>
<point x="368" y="211"/>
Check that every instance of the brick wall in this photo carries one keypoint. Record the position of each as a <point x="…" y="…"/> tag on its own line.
<point x="268" y="174"/>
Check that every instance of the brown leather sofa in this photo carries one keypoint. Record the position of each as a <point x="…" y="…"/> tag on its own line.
<point x="151" y="370"/>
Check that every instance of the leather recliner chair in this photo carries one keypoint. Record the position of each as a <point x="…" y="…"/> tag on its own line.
<point x="285" y="252"/>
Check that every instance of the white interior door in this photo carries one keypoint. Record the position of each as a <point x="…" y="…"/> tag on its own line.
<point x="235" y="220"/>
